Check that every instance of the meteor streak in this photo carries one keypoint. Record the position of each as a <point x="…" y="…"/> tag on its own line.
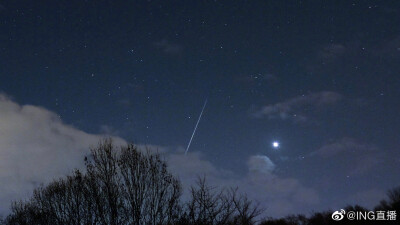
<point x="195" y="128"/>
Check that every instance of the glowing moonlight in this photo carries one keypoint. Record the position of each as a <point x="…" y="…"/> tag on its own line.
<point x="275" y="144"/>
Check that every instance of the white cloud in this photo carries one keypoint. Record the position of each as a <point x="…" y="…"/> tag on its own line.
<point x="260" y="163"/>
<point x="36" y="147"/>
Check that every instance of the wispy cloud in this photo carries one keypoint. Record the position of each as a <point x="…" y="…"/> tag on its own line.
<point x="124" y="102"/>
<point x="367" y="198"/>
<point x="390" y="48"/>
<point x="255" y="78"/>
<point x="343" y="146"/>
<point x="168" y="47"/>
<point x="109" y="130"/>
<point x="331" y="52"/>
<point x="357" y="52"/>
<point x="293" y="108"/>
<point x="357" y="157"/>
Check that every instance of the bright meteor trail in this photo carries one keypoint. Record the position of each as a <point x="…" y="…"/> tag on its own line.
<point x="195" y="128"/>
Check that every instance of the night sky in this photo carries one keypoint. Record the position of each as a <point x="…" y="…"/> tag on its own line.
<point x="320" y="78"/>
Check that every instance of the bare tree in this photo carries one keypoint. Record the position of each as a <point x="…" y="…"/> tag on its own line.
<point x="64" y="201"/>
<point x="394" y="198"/>
<point x="246" y="210"/>
<point x="121" y="186"/>
<point x="393" y="202"/>
<point x="208" y="206"/>
<point x="151" y="194"/>
<point x="104" y="183"/>
<point x="127" y="185"/>
<point x="25" y="213"/>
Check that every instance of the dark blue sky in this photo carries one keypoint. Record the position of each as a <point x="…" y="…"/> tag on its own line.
<point x="320" y="77"/>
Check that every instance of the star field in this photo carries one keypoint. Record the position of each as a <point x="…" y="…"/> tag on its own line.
<point x="304" y="91"/>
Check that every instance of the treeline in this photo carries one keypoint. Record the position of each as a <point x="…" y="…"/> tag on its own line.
<point x="371" y="216"/>
<point x="124" y="185"/>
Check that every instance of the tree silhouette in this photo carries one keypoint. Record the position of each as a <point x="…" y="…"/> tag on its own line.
<point x="324" y="218"/>
<point x="121" y="186"/>
<point x="126" y="185"/>
<point x="208" y="206"/>
<point x="393" y="202"/>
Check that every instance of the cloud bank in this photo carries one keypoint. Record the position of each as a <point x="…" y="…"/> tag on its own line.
<point x="37" y="147"/>
<point x="279" y="196"/>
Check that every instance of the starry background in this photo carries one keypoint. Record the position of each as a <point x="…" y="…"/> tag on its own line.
<point x="322" y="78"/>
